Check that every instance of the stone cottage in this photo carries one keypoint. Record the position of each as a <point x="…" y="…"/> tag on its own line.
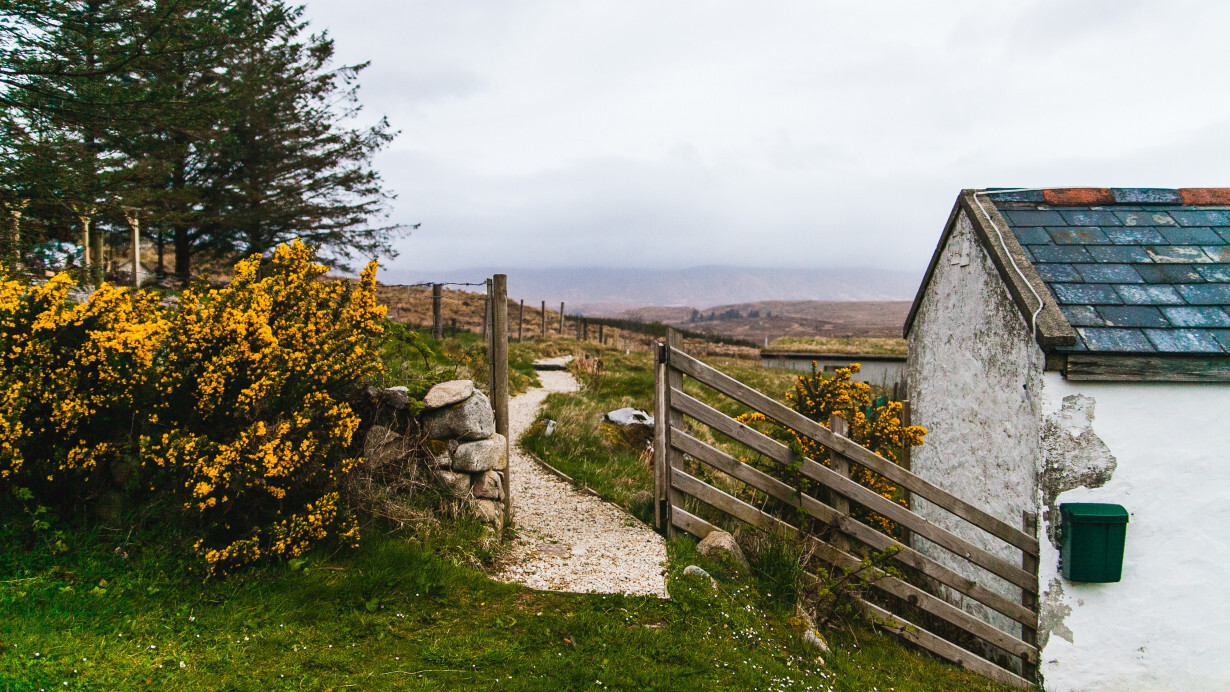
<point x="1073" y="346"/>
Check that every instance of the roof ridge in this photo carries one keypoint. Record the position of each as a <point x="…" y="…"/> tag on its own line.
<point x="1099" y="196"/>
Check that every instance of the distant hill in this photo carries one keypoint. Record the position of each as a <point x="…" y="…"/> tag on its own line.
<point x="772" y="319"/>
<point x="594" y="290"/>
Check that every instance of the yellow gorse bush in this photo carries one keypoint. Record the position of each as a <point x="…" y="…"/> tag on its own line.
<point x="233" y="405"/>
<point x="878" y="428"/>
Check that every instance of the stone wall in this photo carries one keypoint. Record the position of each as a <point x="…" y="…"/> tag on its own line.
<point x="468" y="457"/>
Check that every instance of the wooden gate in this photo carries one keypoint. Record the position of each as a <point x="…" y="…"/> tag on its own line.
<point x="894" y="595"/>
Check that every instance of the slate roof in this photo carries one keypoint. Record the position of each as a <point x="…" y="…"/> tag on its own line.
<point x="1139" y="271"/>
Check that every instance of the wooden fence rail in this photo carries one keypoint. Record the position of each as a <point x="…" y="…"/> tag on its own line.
<point x="672" y="482"/>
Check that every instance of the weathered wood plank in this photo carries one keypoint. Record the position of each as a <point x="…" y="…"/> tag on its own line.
<point x="906" y="555"/>
<point x="891" y="585"/>
<point x="851" y="489"/>
<point x="691" y="523"/>
<point x="674" y="419"/>
<point x="851" y="450"/>
<point x="942" y="647"/>
<point x="1120" y="368"/>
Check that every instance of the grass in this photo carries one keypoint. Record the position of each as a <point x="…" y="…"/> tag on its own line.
<point x="850" y="345"/>
<point x="406" y="612"/>
<point x="605" y="458"/>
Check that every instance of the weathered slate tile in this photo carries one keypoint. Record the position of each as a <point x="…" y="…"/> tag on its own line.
<point x="1086" y="294"/>
<point x="1222" y="336"/>
<point x="1146" y="195"/>
<point x="1197" y="316"/>
<point x="1115" y="340"/>
<point x="1057" y="272"/>
<point x="1183" y="341"/>
<point x="1187" y="254"/>
<point x="1132" y="316"/>
<point x="1169" y="273"/>
<point x="1219" y="253"/>
<point x="1032" y="235"/>
<point x="1190" y="236"/>
<point x="1145" y="218"/>
<point x="1084" y="235"/>
<point x="1080" y="293"/>
<point x="1033" y="217"/>
<point x="1224" y="233"/>
<point x="1205" y="294"/>
<point x="1060" y="253"/>
<point x="1092" y="217"/>
<point x="1082" y="316"/>
<point x="1134" y="236"/>
<point x="1148" y="294"/>
<point x="1109" y="273"/>
<point x="1129" y="254"/>
<point x="1019" y="196"/>
<point x="1216" y="273"/>
<point x="1206" y="217"/>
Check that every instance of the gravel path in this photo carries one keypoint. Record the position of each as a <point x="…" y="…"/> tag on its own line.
<point x="568" y="540"/>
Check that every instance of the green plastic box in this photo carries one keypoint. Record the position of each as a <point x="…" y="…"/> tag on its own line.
<point x="1093" y="535"/>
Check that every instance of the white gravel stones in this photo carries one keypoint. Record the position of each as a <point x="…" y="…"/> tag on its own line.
<point x="568" y="540"/>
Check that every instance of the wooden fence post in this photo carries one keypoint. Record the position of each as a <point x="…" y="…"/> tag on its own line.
<point x="601" y="340"/>
<point x="437" y="311"/>
<point x="661" y="443"/>
<point x="542" y="331"/>
<point x="584" y="329"/>
<point x="674" y="457"/>
<point x="1029" y="563"/>
<point x="521" y="322"/>
<point x="838" y="463"/>
<point x="499" y="378"/>
<point x="487" y="314"/>
<point x="134" y="222"/>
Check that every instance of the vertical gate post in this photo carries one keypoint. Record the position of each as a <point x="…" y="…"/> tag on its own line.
<point x="561" y="318"/>
<point x="661" y="442"/>
<point x="499" y="377"/>
<point x="1029" y="563"/>
<point x="674" y="380"/>
<point x="542" y="331"/>
<point x="838" y="463"/>
<point x="437" y="311"/>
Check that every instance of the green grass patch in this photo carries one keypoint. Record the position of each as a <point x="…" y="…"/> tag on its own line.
<point x="406" y="611"/>
<point x="850" y="345"/>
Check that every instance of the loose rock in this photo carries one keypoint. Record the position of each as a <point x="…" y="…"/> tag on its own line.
<point x="721" y="546"/>
<point x="813" y="638"/>
<point x="629" y="416"/>
<point x="383" y="446"/>
<point x="693" y="570"/>
<point x="448" y="393"/>
<point x="482" y="455"/>
<point x="458" y="484"/>
<point x="397" y="397"/>
<point x="488" y="485"/>
<point x="490" y="512"/>
<point x="471" y="419"/>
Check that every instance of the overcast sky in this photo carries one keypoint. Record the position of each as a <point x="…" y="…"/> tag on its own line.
<point x="673" y="134"/>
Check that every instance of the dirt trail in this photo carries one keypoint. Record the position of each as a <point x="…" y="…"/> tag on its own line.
<point x="568" y="540"/>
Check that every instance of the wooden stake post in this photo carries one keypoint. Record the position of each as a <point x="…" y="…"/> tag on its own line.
<point x="499" y="376"/>
<point x="542" y="331"/>
<point x="521" y="322"/>
<point x="437" y="311"/>
<point x="561" y="318"/>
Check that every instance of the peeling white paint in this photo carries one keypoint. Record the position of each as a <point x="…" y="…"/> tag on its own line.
<point x="1166" y="625"/>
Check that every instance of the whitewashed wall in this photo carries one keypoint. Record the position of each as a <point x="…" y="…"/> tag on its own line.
<point x="1166" y="625"/>
<point x="974" y="376"/>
